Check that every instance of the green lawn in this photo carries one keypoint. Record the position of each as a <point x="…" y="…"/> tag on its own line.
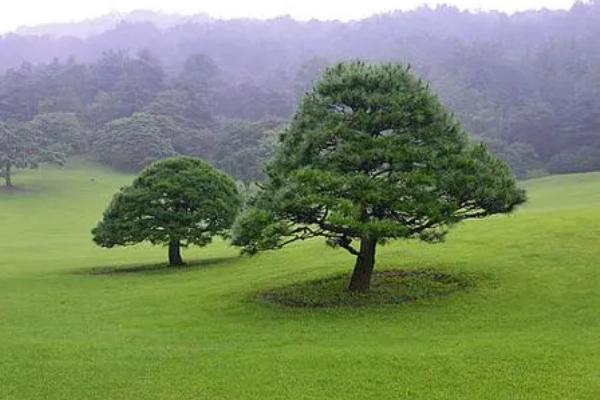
<point x="530" y="330"/>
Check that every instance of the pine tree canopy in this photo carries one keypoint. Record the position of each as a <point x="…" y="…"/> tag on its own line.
<point x="175" y="201"/>
<point x="372" y="155"/>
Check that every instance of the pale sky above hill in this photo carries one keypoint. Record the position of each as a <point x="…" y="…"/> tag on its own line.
<point x="15" y="13"/>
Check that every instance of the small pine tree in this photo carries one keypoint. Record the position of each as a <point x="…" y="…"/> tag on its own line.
<point x="176" y="202"/>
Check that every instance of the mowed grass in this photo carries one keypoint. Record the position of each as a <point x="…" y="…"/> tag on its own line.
<point x="74" y="326"/>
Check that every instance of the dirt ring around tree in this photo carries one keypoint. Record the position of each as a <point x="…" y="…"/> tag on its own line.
<point x="388" y="287"/>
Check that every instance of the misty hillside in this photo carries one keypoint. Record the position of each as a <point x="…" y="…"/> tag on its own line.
<point x="527" y="84"/>
<point x="95" y="26"/>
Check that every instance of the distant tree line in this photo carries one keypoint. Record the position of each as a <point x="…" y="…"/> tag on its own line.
<point x="126" y="112"/>
<point x="527" y="85"/>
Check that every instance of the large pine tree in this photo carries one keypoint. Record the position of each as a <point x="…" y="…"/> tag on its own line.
<point x="372" y="155"/>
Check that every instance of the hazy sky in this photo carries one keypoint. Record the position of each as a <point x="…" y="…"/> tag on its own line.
<point x="14" y="13"/>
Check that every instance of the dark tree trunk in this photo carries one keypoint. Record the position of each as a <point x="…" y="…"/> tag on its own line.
<point x="175" y="253"/>
<point x="6" y="174"/>
<point x="363" y="269"/>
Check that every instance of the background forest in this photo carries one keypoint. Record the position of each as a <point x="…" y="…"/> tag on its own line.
<point x="131" y="89"/>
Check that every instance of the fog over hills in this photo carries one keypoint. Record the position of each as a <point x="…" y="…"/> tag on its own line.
<point x="528" y="84"/>
<point x="95" y="26"/>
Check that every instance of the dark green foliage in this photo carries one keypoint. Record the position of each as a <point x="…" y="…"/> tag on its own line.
<point x="105" y="108"/>
<point x="24" y="145"/>
<point x="65" y="87"/>
<point x="122" y="85"/>
<point x="60" y="130"/>
<point x="197" y="81"/>
<point x="193" y="128"/>
<point x="388" y="287"/>
<point x="177" y="202"/>
<point x="522" y="157"/>
<point x="197" y="78"/>
<point x="252" y="102"/>
<point x="372" y="155"/>
<point x="142" y="78"/>
<point x="19" y="94"/>
<point x="135" y="80"/>
<point x="244" y="147"/>
<point x="18" y="149"/>
<point x="129" y="144"/>
<point x="176" y="104"/>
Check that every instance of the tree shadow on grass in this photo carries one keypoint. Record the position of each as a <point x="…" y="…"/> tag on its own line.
<point x="388" y="287"/>
<point x="157" y="268"/>
<point x="15" y="189"/>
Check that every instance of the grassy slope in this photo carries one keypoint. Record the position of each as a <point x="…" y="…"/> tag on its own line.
<point x="531" y="331"/>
